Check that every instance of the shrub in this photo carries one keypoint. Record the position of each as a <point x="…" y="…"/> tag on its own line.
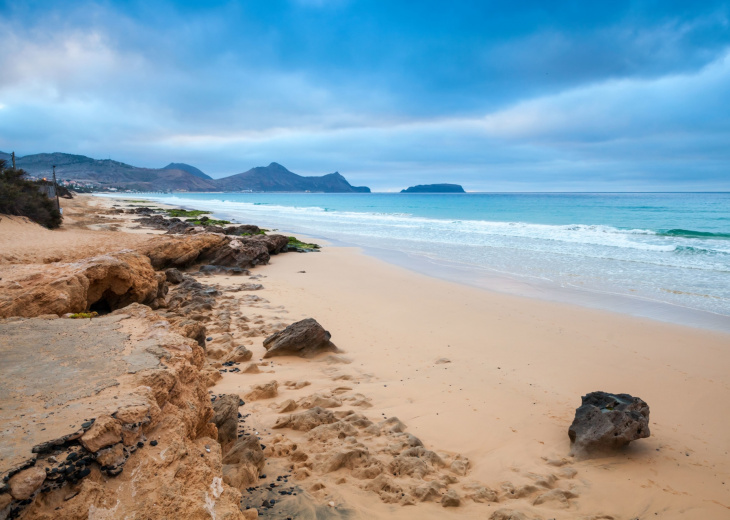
<point x="19" y="196"/>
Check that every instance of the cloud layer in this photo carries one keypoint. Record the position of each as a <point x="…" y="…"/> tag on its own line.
<point x="631" y="97"/>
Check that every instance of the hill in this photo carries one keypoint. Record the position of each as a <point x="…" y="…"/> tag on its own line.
<point x="275" y="177"/>
<point x="105" y="173"/>
<point x="192" y="170"/>
<point x="434" y="188"/>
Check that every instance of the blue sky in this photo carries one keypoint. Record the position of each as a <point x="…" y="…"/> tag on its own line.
<point x="496" y="96"/>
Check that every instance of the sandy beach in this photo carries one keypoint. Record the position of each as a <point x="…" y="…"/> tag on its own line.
<point x="488" y="382"/>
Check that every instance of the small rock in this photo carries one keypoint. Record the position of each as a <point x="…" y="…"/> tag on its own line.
<point x="112" y="456"/>
<point x="251" y="287"/>
<point x="252" y="368"/>
<point x="451" y="499"/>
<point x="240" y="354"/>
<point x="287" y="406"/>
<point x="263" y="391"/>
<point x="5" y="500"/>
<point x="24" y="483"/>
<point x="104" y="432"/>
<point x="507" y="514"/>
<point x="173" y="276"/>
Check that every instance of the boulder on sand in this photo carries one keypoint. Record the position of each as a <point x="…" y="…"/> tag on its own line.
<point x="304" y="338"/>
<point x="608" y="421"/>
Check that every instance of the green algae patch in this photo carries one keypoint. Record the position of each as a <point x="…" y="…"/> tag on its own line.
<point x="186" y="212"/>
<point x="207" y="222"/>
<point x="295" y="243"/>
<point x="83" y="315"/>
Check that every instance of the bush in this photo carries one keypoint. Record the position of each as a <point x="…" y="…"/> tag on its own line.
<point x="19" y="196"/>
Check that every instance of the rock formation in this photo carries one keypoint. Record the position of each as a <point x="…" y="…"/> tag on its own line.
<point x="159" y="430"/>
<point x="226" y="418"/>
<point x="242" y="464"/>
<point x="111" y="281"/>
<point x="607" y="421"/>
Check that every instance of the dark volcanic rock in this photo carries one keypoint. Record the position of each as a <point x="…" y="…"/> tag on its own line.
<point x="215" y="269"/>
<point x="244" y="229"/>
<point x="173" y="275"/>
<point x="607" y="421"/>
<point x="275" y="244"/>
<point x="303" y="338"/>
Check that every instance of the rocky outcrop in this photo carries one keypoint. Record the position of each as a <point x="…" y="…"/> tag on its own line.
<point x="104" y="432"/>
<point x="213" y="249"/>
<point x="159" y="431"/>
<point x="24" y="484"/>
<point x="304" y="338"/>
<point x="226" y="417"/>
<point x="608" y="421"/>
<point x="110" y="281"/>
<point x="242" y="464"/>
<point x="178" y="252"/>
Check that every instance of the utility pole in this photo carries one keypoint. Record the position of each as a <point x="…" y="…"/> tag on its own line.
<point x="13" y="160"/>
<point x="55" y="188"/>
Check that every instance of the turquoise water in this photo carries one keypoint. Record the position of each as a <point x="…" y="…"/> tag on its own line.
<point x="652" y="248"/>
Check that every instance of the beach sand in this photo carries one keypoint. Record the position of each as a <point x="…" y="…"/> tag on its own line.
<point x="474" y="375"/>
<point x="517" y="370"/>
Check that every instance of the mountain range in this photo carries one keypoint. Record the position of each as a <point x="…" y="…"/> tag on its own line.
<point x="106" y="173"/>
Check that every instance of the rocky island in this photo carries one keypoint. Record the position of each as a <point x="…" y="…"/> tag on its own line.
<point x="434" y="188"/>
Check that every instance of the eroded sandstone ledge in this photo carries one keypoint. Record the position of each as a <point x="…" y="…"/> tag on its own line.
<point x="97" y="424"/>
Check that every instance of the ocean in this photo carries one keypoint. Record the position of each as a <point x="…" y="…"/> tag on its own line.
<point x="660" y="255"/>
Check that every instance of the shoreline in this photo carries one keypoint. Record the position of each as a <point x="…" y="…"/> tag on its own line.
<point x="545" y="356"/>
<point x="522" y="285"/>
<point x="487" y="381"/>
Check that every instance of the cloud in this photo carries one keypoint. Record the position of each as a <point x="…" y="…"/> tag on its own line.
<point x="498" y="98"/>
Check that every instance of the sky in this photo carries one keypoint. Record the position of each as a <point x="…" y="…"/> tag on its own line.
<point x="496" y="96"/>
